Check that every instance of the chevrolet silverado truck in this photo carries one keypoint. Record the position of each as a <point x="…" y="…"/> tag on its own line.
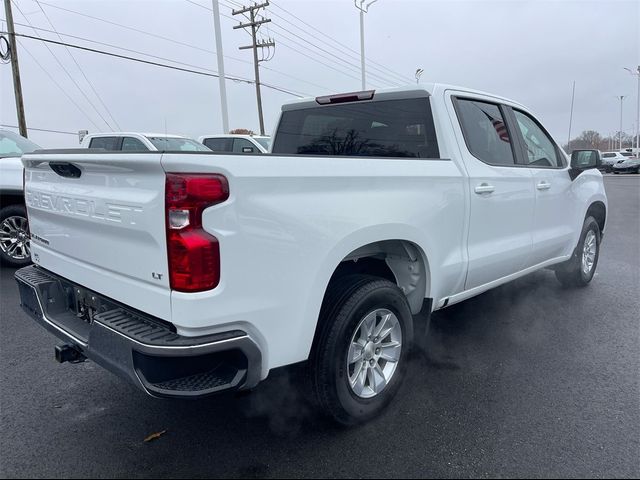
<point x="191" y="273"/>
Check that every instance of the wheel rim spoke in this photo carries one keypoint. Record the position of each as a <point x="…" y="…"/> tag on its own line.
<point x="355" y="353"/>
<point x="382" y="325"/>
<point x="391" y="352"/>
<point x="380" y="381"/>
<point x="357" y="381"/>
<point x="369" y="326"/>
<point x="12" y="223"/>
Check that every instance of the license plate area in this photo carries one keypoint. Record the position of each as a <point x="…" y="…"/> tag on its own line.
<point x="84" y="303"/>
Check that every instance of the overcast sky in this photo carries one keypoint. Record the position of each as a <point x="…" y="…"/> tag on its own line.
<point x="530" y="51"/>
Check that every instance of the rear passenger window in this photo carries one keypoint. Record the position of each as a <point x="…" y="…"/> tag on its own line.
<point x="133" y="144"/>
<point x="108" y="143"/>
<point x="240" y="143"/>
<point x="541" y="151"/>
<point x="485" y="132"/>
<point x="219" y="144"/>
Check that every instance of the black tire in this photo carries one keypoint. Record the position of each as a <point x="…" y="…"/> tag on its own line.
<point x="571" y="273"/>
<point x="5" y="257"/>
<point x="347" y="302"/>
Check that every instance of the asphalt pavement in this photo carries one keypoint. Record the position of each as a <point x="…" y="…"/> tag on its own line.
<point x="527" y="380"/>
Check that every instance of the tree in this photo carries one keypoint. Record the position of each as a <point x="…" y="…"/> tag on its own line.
<point x="241" y="131"/>
<point x="590" y="138"/>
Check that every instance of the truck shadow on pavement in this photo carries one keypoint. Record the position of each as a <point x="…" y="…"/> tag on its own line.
<point x="512" y="314"/>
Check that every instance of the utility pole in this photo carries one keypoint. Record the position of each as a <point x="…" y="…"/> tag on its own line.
<point x="221" y="79"/>
<point x="255" y="25"/>
<point x="621" y="97"/>
<point x="637" y="74"/>
<point x="17" y="85"/>
<point x="363" y="9"/>
<point x="573" y="95"/>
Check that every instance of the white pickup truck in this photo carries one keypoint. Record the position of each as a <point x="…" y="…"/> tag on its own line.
<point x="195" y="273"/>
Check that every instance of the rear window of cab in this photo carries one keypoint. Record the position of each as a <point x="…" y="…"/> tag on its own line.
<point x="387" y="128"/>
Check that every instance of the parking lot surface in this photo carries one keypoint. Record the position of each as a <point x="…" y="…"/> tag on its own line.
<point x="529" y="379"/>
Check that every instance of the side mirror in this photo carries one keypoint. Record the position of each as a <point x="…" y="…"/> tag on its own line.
<point x="247" y="150"/>
<point x="582" y="160"/>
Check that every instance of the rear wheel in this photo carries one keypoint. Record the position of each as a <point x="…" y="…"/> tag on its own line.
<point x="360" y="356"/>
<point x="580" y="269"/>
<point x="15" y="247"/>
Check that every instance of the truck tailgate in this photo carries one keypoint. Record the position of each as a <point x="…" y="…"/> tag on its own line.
<point x="103" y="229"/>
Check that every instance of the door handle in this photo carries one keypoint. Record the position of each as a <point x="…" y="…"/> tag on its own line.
<point x="484" y="188"/>
<point x="543" y="185"/>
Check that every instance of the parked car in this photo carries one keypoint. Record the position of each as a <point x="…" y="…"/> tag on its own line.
<point x="189" y="276"/>
<point x="14" y="227"/>
<point x="628" y="165"/>
<point x="611" y="158"/>
<point x="236" y="143"/>
<point x="141" y="142"/>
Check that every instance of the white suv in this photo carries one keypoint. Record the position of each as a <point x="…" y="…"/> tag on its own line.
<point x="142" y="142"/>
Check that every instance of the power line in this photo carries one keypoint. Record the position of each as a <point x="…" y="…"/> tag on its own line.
<point x="316" y="60"/>
<point x="354" y="53"/>
<point x="387" y="78"/>
<point x="55" y="82"/>
<point x="111" y="45"/>
<point x="331" y="58"/>
<point x="80" y="68"/>
<point x="328" y="56"/>
<point x="65" y="70"/>
<point x="157" y="64"/>
<point x="143" y="32"/>
<point x="167" y="39"/>
<point x="40" y="129"/>
<point x="246" y="61"/>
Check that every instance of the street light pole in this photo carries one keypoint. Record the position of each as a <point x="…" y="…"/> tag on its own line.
<point x="573" y="96"/>
<point x="637" y="74"/>
<point x="363" y="9"/>
<point x="221" y="78"/>
<point x="621" y="97"/>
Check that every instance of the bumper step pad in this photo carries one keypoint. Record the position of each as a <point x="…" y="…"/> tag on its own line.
<point x="136" y="346"/>
<point x="215" y="379"/>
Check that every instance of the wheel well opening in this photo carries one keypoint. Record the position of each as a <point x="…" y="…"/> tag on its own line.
<point x="598" y="211"/>
<point x="7" y="199"/>
<point x="367" y="266"/>
<point x="401" y="262"/>
<point x="398" y="261"/>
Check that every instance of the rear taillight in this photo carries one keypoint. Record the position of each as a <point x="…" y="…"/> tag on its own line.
<point x="194" y="255"/>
